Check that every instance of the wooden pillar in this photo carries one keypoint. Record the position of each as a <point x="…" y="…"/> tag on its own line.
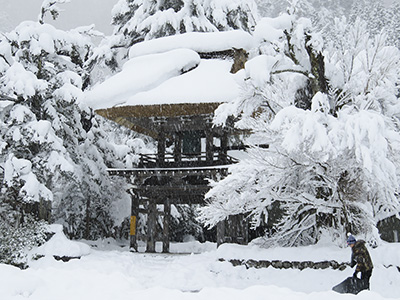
<point x="151" y="226"/>
<point x="209" y="147"/>
<point x="220" y="233"/>
<point x="245" y="230"/>
<point x="161" y="148"/>
<point x="178" y="148"/>
<point x="167" y="215"/>
<point x="133" y="225"/>
<point x="224" y="148"/>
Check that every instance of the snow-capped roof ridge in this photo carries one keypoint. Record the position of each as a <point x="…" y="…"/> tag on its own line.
<point x="201" y="42"/>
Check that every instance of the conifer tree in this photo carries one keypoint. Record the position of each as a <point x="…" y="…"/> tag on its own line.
<point x="140" y="20"/>
<point x="53" y="150"/>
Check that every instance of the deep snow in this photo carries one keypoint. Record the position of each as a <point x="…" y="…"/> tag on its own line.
<point x="107" y="270"/>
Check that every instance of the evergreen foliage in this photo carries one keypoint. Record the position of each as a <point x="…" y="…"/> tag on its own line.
<point x="53" y="150"/>
<point x="15" y="243"/>
<point x="140" y="20"/>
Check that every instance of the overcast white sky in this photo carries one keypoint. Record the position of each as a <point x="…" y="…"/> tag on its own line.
<point x="76" y="13"/>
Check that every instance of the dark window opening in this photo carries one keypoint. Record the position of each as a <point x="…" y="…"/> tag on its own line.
<point x="191" y="143"/>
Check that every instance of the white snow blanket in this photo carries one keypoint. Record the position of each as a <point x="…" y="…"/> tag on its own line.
<point x="110" y="271"/>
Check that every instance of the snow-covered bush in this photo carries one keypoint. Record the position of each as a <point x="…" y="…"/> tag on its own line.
<point x="15" y="243"/>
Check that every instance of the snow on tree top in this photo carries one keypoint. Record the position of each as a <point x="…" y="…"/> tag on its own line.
<point x="202" y="42"/>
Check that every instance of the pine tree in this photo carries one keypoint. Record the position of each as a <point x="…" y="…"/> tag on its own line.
<point x="53" y="151"/>
<point x="141" y="20"/>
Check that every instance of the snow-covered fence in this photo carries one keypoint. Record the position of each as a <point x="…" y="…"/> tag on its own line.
<point x="301" y="265"/>
<point x="279" y="264"/>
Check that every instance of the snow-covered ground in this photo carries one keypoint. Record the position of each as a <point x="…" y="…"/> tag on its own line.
<point x="108" y="271"/>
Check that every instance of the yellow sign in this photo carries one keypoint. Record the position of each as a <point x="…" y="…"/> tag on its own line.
<point x="133" y="225"/>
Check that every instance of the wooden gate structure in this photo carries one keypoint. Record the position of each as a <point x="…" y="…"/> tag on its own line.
<point x="200" y="152"/>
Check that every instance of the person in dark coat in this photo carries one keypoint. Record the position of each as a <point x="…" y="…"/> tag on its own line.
<point x="361" y="259"/>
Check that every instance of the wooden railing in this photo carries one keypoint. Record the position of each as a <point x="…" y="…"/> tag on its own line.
<point x="170" y="160"/>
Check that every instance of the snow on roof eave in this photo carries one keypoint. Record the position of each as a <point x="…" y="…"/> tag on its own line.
<point x="126" y="115"/>
<point x="201" y="42"/>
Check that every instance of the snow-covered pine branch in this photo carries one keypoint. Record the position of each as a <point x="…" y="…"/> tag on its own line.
<point x="49" y="6"/>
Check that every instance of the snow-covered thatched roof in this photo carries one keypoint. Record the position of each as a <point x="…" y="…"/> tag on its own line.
<point x="169" y="70"/>
<point x="201" y="42"/>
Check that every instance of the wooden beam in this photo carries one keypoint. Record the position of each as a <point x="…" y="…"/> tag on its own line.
<point x="162" y="110"/>
<point x="141" y="172"/>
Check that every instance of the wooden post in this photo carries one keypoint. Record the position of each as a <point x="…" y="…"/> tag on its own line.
<point x="167" y="215"/>
<point x="151" y="226"/>
<point x="220" y="233"/>
<point x="209" y="147"/>
<point x="178" y="148"/>
<point x="224" y="147"/>
<point x="161" y="148"/>
<point x="133" y="224"/>
<point x="245" y="229"/>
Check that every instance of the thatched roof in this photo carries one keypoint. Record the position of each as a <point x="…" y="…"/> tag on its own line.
<point x="149" y="119"/>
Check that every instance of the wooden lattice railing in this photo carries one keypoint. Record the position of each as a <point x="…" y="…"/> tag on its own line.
<point x="169" y="160"/>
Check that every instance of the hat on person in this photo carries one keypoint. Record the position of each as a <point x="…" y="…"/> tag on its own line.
<point x="351" y="240"/>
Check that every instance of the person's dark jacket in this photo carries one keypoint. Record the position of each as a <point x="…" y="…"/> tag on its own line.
<point x="361" y="257"/>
